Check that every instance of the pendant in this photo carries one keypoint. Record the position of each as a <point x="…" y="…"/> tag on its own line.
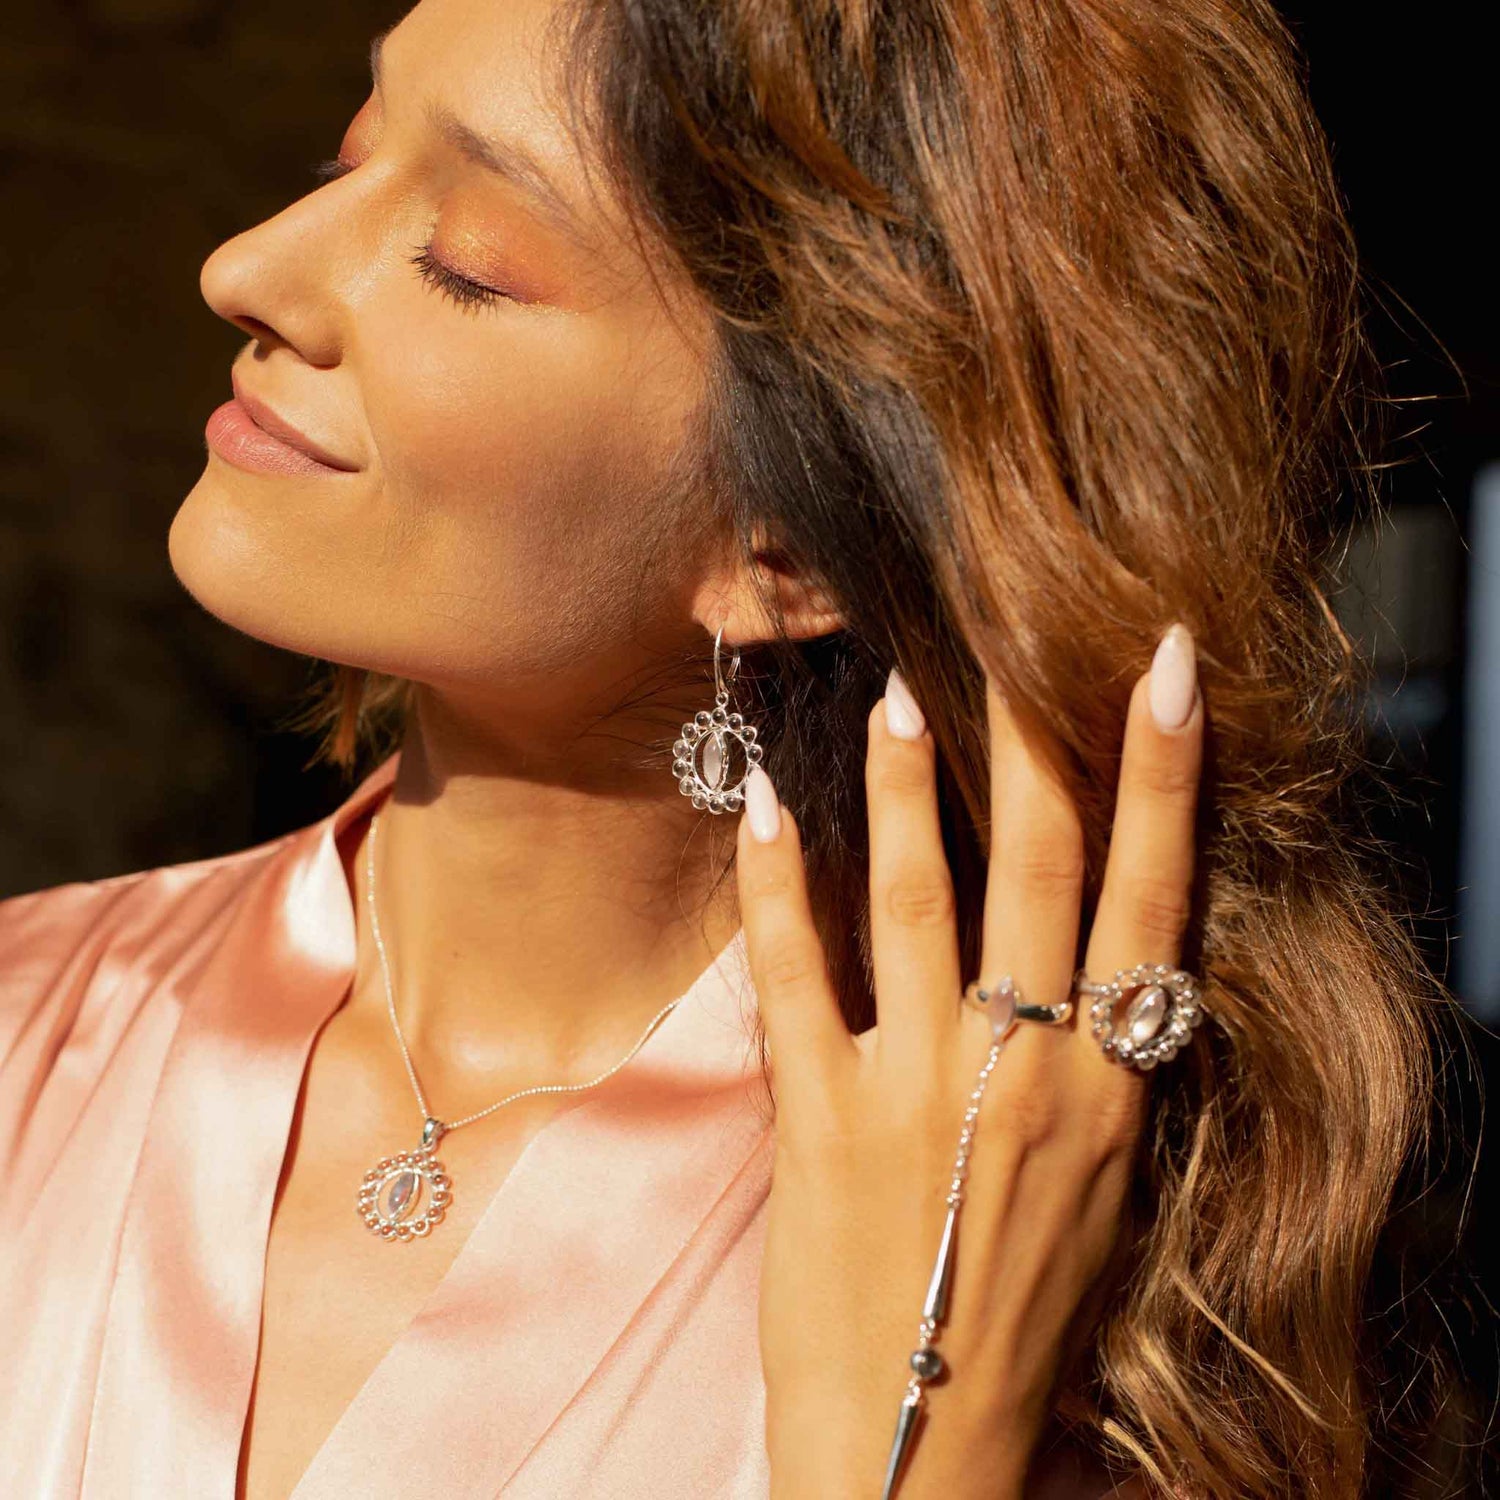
<point x="403" y="1196"/>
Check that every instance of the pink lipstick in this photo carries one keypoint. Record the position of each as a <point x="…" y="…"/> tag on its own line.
<point x="248" y="434"/>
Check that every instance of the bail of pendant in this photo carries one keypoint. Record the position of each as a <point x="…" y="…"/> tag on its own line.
<point x="432" y="1132"/>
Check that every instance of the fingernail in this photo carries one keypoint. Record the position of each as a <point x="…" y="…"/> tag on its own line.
<point x="902" y="716"/>
<point x="761" y="806"/>
<point x="1174" y="679"/>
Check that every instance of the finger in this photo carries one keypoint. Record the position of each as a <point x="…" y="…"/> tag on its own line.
<point x="1146" y="896"/>
<point x="1034" y="885"/>
<point x="913" y="926"/>
<point x="805" y="1029"/>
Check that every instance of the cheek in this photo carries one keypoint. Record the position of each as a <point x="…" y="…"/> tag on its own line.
<point x="459" y="419"/>
<point x="518" y="456"/>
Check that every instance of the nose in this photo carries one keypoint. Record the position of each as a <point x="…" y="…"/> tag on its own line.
<point x="277" y="281"/>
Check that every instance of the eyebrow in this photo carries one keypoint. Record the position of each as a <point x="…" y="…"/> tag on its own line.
<point x="507" y="159"/>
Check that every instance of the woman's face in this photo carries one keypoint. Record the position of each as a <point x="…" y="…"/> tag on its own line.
<point x="509" y="454"/>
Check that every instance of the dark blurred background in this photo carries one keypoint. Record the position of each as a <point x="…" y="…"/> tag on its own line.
<point x="135" y="730"/>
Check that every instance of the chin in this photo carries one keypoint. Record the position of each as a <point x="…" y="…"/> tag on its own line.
<point x="252" y="568"/>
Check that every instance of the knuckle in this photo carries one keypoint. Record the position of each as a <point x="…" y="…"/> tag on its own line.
<point x="1114" y="1122"/>
<point x="920" y="899"/>
<point x="901" y="771"/>
<point x="1166" y="777"/>
<point x="769" y="886"/>
<point x="788" y="965"/>
<point x="908" y="1112"/>
<point x="1033" y="1108"/>
<point x="1160" y="908"/>
<point x="1054" y="868"/>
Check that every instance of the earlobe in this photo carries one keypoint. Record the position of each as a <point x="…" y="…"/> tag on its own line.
<point x="757" y="602"/>
<point x="811" y="617"/>
<point x="748" y="624"/>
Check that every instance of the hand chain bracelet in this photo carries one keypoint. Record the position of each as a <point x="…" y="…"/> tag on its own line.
<point x="926" y="1363"/>
<point x="1160" y="1020"/>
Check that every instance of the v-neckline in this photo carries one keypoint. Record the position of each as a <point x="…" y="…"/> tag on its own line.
<point x="609" y="1137"/>
<point x="440" y="1289"/>
<point x="599" y="1201"/>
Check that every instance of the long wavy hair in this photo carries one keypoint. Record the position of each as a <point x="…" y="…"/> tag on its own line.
<point x="1039" y="328"/>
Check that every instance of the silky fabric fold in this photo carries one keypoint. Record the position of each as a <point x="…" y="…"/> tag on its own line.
<point x="595" y="1336"/>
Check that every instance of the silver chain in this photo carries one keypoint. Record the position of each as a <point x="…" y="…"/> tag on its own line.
<point x="411" y="1072"/>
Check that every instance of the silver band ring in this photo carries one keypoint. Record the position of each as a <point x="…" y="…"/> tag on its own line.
<point x="1003" y="1005"/>
<point x="1164" y="1006"/>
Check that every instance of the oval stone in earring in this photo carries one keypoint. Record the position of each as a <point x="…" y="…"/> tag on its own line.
<point x="714" y="757"/>
<point x="717" y="750"/>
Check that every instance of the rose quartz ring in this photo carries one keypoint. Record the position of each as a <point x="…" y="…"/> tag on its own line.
<point x="1003" y="1004"/>
<point x="1143" y="1015"/>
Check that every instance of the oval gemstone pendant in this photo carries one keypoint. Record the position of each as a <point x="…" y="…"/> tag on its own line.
<point x="403" y="1196"/>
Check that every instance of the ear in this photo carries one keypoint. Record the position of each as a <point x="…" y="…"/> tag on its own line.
<point x="744" y="597"/>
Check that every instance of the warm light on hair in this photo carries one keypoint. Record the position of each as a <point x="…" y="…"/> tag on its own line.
<point x="1039" y="330"/>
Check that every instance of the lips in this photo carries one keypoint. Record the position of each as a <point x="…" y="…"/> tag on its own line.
<point x="252" y="435"/>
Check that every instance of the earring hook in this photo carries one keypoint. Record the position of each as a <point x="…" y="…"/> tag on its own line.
<point x="721" y="688"/>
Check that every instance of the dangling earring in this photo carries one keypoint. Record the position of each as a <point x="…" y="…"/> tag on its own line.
<point x="717" y="750"/>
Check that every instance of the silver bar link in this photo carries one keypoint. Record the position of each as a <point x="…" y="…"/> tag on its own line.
<point x="926" y="1363"/>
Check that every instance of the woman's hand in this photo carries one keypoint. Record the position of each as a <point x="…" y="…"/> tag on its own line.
<point x="867" y="1126"/>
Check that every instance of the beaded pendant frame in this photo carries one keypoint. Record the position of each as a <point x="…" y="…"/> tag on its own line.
<point x="396" y="1185"/>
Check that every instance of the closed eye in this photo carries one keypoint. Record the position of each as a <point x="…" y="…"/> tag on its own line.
<point x="464" y="293"/>
<point x="469" y="295"/>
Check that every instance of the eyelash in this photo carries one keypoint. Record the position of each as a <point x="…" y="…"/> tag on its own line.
<point x="468" y="295"/>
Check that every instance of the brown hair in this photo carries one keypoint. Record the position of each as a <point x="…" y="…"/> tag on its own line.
<point x="1038" y="330"/>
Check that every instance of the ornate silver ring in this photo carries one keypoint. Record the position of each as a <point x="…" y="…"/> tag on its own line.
<point x="1161" y="1007"/>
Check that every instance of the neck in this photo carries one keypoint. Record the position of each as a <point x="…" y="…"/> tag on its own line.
<point x="537" y="909"/>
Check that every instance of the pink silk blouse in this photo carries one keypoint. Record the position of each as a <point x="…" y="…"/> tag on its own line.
<point x="596" y="1335"/>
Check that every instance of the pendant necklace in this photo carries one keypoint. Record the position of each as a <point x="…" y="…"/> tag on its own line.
<point x="403" y="1196"/>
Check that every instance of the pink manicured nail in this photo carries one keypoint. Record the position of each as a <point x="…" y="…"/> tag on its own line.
<point x="902" y="716"/>
<point x="1174" y="679"/>
<point x="761" y="806"/>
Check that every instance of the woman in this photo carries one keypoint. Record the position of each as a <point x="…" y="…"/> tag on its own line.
<point x="972" y="379"/>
